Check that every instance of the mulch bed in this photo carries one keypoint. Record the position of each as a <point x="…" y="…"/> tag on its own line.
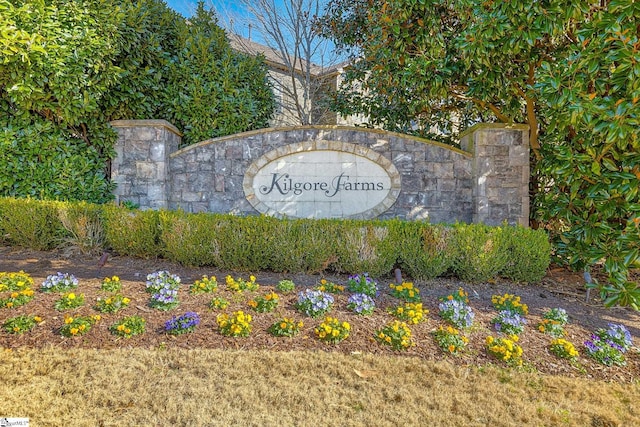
<point x="560" y="288"/>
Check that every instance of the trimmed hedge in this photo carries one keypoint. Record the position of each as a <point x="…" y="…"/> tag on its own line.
<point x="473" y="252"/>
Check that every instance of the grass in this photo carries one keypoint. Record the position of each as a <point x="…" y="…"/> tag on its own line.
<point x="207" y="387"/>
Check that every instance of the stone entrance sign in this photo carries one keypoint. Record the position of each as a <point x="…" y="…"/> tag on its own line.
<point x="327" y="172"/>
<point x="301" y="181"/>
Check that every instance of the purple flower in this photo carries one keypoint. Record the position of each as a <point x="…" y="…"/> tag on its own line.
<point x="313" y="302"/>
<point x="162" y="279"/>
<point x="182" y="324"/>
<point x="509" y="322"/>
<point x="361" y="303"/>
<point x="60" y="282"/>
<point x="457" y="312"/>
<point x="363" y="284"/>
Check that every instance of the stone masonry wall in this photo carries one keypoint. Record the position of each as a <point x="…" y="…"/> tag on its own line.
<point x="483" y="183"/>
<point x="500" y="172"/>
<point x="141" y="167"/>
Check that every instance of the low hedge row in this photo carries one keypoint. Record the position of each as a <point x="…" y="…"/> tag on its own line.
<point x="473" y="252"/>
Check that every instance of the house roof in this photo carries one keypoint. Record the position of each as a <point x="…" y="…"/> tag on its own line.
<point x="274" y="57"/>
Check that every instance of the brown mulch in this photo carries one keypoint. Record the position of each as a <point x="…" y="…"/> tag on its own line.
<point x="560" y="288"/>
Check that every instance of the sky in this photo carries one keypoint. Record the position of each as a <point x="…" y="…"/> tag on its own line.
<point x="231" y="11"/>
<point x="186" y="7"/>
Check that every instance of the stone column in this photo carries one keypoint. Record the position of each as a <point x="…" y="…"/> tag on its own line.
<point x="140" y="169"/>
<point x="500" y="172"/>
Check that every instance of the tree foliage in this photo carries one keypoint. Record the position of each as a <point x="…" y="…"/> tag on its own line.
<point x="68" y="68"/>
<point x="300" y="80"/>
<point x="212" y="90"/>
<point x="568" y="69"/>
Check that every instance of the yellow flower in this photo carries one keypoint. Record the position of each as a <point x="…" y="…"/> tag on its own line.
<point x="115" y="278"/>
<point x="452" y="348"/>
<point x="37" y="319"/>
<point x="14" y="295"/>
<point x="126" y="300"/>
<point x="82" y="327"/>
<point x="323" y="281"/>
<point x="120" y="328"/>
<point x="74" y="331"/>
<point x="68" y="320"/>
<point x="252" y="278"/>
<point x="71" y="296"/>
<point x="283" y="325"/>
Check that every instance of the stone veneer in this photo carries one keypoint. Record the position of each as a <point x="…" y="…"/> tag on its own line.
<point x="485" y="181"/>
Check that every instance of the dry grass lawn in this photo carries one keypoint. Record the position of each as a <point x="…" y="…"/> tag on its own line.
<point x="211" y="387"/>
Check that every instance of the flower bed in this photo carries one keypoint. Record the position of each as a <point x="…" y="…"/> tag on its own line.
<point x="432" y="334"/>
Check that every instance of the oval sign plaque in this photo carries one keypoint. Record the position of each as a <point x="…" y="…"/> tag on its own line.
<point x="322" y="180"/>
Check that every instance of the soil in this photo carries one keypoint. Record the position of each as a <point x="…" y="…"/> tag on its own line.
<point x="560" y="288"/>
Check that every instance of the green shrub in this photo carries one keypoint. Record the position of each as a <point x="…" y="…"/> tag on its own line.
<point x="475" y="252"/>
<point x="304" y="245"/>
<point x="29" y="223"/>
<point x="83" y="227"/>
<point x="424" y="249"/>
<point x="191" y="239"/>
<point x="132" y="233"/>
<point x="245" y="241"/>
<point x="479" y="252"/>
<point x="366" y="246"/>
<point x="529" y="254"/>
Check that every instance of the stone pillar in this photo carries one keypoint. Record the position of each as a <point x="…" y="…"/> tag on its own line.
<point x="140" y="169"/>
<point x="500" y="172"/>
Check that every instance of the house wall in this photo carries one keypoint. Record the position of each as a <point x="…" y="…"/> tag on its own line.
<point x="486" y="182"/>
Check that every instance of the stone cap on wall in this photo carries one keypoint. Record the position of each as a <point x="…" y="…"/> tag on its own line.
<point x="145" y="123"/>
<point x="251" y="133"/>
